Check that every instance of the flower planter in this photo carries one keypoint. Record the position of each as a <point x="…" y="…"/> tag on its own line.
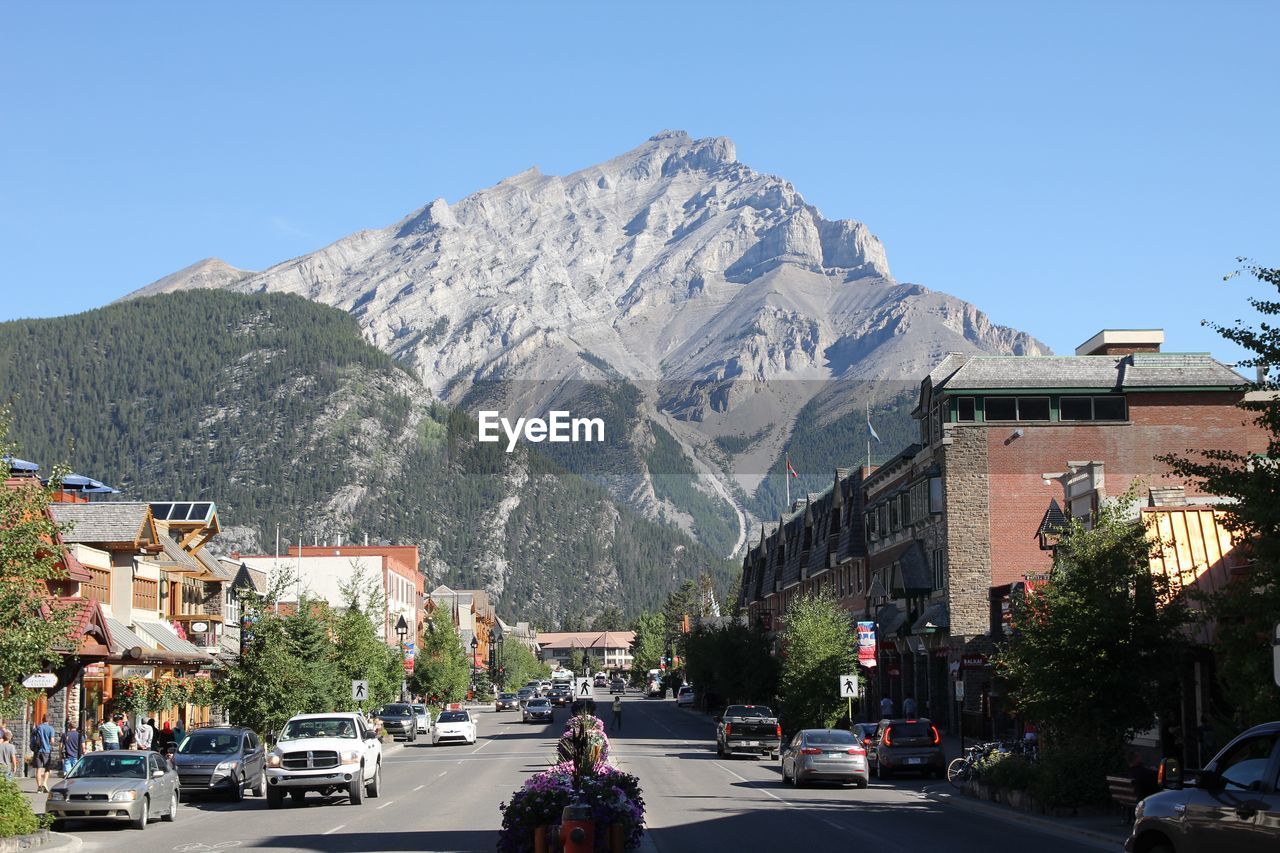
<point x="546" y="839"/>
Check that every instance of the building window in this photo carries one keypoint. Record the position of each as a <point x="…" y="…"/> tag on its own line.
<point x="905" y="510"/>
<point x="893" y="515"/>
<point x="1017" y="408"/>
<point x="882" y="519"/>
<point x="966" y="409"/>
<point x="939" y="564"/>
<point x="935" y="495"/>
<point x="1109" y="408"/>
<point x="146" y="594"/>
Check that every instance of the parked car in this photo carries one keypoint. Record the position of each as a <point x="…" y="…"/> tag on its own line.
<point x="325" y="753"/>
<point x="1231" y="804"/>
<point x="124" y="785"/>
<point x="910" y="745"/>
<point x="506" y="702"/>
<point x="399" y="721"/>
<point x="224" y="759"/>
<point x="618" y="685"/>
<point x="685" y="696"/>
<point x="424" y="718"/>
<point x="748" y="728"/>
<point x="824" y="755"/>
<point x="454" y="726"/>
<point x="601" y="680"/>
<point x="538" y="711"/>
<point x="866" y="733"/>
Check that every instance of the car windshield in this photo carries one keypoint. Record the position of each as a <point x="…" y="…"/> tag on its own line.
<point x="452" y="717"/>
<point x="915" y="728"/>
<point x="833" y="737"/>
<point x="748" y="711"/>
<point x="538" y="703"/>
<point x="339" y="727"/>
<point x="210" y="743"/>
<point x="100" y="765"/>
<point x="396" y="711"/>
<point x="507" y="696"/>
<point x="419" y="709"/>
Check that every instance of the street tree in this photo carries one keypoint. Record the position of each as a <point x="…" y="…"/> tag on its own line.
<point x="609" y="619"/>
<point x="442" y="670"/>
<point x="360" y="652"/>
<point x="731" y="663"/>
<point x="649" y="645"/>
<point x="1247" y="609"/>
<point x="33" y="625"/>
<point x="818" y="647"/>
<point x="519" y="665"/>
<point x="1095" y="649"/>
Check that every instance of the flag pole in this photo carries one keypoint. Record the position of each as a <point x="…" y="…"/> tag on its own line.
<point x="868" y="434"/>
<point x="786" y="476"/>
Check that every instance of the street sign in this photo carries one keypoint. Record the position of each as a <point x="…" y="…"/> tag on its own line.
<point x="359" y="690"/>
<point x="582" y="688"/>
<point x="40" y="679"/>
<point x="973" y="661"/>
<point x="1275" y="653"/>
<point x="848" y="687"/>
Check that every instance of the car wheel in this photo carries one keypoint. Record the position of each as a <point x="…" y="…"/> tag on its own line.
<point x="800" y="783"/>
<point x="172" y="814"/>
<point x="862" y="783"/>
<point x="275" y="798"/>
<point x="261" y="789"/>
<point x="719" y="749"/>
<point x="237" y="793"/>
<point x="143" y="816"/>
<point x="881" y="773"/>
<point x="773" y="756"/>
<point x="374" y="788"/>
<point x="356" y="789"/>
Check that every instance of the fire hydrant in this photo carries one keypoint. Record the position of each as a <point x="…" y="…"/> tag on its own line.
<point x="577" y="830"/>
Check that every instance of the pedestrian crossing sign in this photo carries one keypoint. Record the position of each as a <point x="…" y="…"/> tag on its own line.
<point x="582" y="688"/>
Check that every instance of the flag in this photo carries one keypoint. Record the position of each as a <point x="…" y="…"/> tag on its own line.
<point x="792" y="471"/>
<point x="871" y="431"/>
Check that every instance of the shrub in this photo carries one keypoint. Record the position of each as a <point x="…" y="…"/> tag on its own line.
<point x="16" y="816"/>
<point x="1010" y="772"/>
<point x="614" y="797"/>
<point x="1074" y="774"/>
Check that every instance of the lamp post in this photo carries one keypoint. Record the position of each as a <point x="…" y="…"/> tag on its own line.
<point x="402" y="628"/>
<point x="475" y="644"/>
<point x="495" y="654"/>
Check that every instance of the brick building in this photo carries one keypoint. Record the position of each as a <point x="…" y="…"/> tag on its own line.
<point x="1009" y="447"/>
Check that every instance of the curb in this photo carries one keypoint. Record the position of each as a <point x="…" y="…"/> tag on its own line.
<point x="1013" y="816"/>
<point x="51" y="842"/>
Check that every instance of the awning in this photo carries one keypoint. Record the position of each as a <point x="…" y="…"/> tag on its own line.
<point x="165" y="637"/>
<point x="936" y="617"/>
<point x="129" y="647"/>
<point x="122" y="639"/>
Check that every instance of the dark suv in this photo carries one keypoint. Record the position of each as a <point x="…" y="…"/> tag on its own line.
<point x="908" y="745"/>
<point x="224" y="759"/>
<point x="1232" y="804"/>
<point x="399" y="720"/>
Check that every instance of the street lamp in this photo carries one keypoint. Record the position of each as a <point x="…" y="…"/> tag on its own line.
<point x="475" y="644"/>
<point x="402" y="628"/>
<point x="495" y="653"/>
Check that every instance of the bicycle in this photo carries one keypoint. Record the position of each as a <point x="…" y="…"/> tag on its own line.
<point x="969" y="765"/>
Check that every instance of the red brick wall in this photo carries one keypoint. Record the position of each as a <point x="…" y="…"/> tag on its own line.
<point x="1159" y="424"/>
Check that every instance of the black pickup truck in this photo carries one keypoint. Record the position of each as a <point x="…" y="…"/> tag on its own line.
<point x="748" y="728"/>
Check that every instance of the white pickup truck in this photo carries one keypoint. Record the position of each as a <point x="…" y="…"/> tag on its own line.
<point x="325" y="753"/>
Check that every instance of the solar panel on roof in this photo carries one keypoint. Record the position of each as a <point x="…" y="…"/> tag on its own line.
<point x="200" y="510"/>
<point x="160" y="511"/>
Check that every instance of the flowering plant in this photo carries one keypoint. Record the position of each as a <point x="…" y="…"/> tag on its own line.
<point x="584" y="741"/>
<point x="614" y="796"/>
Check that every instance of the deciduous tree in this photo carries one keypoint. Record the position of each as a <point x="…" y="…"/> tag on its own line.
<point x="818" y="646"/>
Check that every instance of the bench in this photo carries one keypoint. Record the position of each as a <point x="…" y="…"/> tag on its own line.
<point x="1124" y="793"/>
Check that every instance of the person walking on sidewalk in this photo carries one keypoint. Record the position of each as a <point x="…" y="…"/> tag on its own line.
<point x="42" y="753"/>
<point x="8" y="756"/>
<point x="909" y="707"/>
<point x="886" y="708"/>
<point x="110" y="733"/>
<point x="70" y="748"/>
<point x="617" y="713"/>
<point x="143" y="735"/>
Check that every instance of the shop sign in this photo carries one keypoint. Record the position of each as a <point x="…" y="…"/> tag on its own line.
<point x="199" y="627"/>
<point x="40" y="680"/>
<point x="137" y="672"/>
<point x="973" y="662"/>
<point x="867" y="644"/>
<point x="95" y="670"/>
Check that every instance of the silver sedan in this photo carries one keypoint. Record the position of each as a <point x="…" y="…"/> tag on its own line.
<point x="124" y="785"/>
<point x="824" y="755"/>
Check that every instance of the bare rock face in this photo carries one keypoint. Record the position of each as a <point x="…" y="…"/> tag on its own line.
<point x="672" y="264"/>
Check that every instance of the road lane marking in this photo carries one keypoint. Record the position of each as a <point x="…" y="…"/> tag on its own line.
<point x="335" y="829"/>
<point x="388" y="803"/>
<point x="420" y="787"/>
<point x="480" y="747"/>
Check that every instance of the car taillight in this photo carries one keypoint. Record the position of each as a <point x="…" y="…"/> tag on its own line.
<point x="728" y="727"/>
<point x="810" y="750"/>
<point x="888" y="740"/>
<point x="937" y="738"/>
<point x="857" y="750"/>
<point x="866" y="741"/>
<point x="778" y="730"/>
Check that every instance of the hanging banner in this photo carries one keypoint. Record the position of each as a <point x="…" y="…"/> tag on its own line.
<point x="866" y="643"/>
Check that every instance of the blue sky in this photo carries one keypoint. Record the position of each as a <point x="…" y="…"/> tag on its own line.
<point x="1064" y="166"/>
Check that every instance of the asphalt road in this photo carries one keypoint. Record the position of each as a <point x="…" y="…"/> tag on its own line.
<point x="446" y="798"/>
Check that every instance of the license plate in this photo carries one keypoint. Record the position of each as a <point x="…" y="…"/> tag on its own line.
<point x="837" y="754"/>
<point x="915" y="761"/>
<point x="751" y="743"/>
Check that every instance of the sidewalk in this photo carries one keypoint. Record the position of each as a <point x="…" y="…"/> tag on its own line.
<point x="58" y="842"/>
<point x="1107" y="830"/>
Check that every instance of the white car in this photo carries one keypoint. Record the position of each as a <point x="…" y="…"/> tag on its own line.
<point x="326" y="753"/>
<point x="685" y="696"/>
<point x="454" y="727"/>
<point x="424" y="718"/>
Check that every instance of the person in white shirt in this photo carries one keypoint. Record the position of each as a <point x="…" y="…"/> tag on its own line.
<point x="143" y="735"/>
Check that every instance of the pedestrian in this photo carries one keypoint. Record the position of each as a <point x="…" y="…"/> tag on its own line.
<point x="126" y="733"/>
<point x="143" y="735"/>
<point x="4" y="729"/>
<point x="8" y="756"/>
<point x="178" y="733"/>
<point x="886" y="708"/>
<point x="909" y="707"/>
<point x="70" y="748"/>
<point x="166" y="734"/>
<point x="110" y="733"/>
<point x="1145" y="781"/>
<point x="617" y="713"/>
<point x="42" y="753"/>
